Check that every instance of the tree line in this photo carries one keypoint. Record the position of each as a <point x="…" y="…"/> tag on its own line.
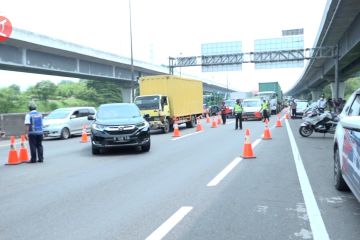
<point x="49" y="96"/>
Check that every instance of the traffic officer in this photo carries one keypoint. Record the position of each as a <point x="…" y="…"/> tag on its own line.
<point x="238" y="114"/>
<point x="322" y="103"/>
<point x="34" y="131"/>
<point x="265" y="110"/>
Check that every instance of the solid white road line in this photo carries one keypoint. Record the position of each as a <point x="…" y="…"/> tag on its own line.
<point x="216" y="180"/>
<point x="316" y="222"/>
<point x="166" y="227"/>
<point x="187" y="135"/>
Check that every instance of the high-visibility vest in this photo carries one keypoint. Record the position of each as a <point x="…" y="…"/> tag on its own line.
<point x="237" y="108"/>
<point x="35" y="123"/>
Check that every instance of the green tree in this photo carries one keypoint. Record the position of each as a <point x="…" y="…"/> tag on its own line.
<point x="44" y="90"/>
<point x="106" y="91"/>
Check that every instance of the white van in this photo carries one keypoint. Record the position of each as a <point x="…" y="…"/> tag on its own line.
<point x="251" y="109"/>
<point x="64" y="122"/>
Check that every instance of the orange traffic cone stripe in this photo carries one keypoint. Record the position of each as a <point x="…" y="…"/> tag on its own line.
<point x="278" y="122"/>
<point x="84" y="136"/>
<point x="199" y="127"/>
<point x="247" y="150"/>
<point x="207" y="118"/>
<point x="13" y="158"/>
<point x="23" y="152"/>
<point x="213" y="125"/>
<point x="176" y="132"/>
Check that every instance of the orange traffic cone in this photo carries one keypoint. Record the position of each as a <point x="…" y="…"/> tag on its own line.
<point x="219" y="121"/>
<point x="199" y="127"/>
<point x="286" y="116"/>
<point x="213" y="125"/>
<point x="23" y="152"/>
<point x="84" y="136"/>
<point x="278" y="122"/>
<point x="207" y="118"/>
<point x="247" y="150"/>
<point x="176" y="132"/>
<point x="266" y="135"/>
<point x="13" y="158"/>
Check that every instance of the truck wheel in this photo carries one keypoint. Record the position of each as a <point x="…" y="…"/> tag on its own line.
<point x="192" y="123"/>
<point x="166" y="127"/>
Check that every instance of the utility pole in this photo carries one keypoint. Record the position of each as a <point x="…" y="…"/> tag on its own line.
<point x="132" y="59"/>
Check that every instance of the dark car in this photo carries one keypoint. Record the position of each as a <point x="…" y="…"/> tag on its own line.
<point x="119" y="125"/>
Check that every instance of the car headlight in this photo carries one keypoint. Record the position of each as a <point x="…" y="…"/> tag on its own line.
<point x="142" y="125"/>
<point x="98" y="127"/>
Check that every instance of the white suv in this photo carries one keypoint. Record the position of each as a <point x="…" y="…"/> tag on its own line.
<point x="347" y="147"/>
<point x="64" y="122"/>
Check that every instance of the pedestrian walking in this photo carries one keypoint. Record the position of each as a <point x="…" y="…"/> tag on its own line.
<point x="223" y="112"/>
<point x="238" y="114"/>
<point x="34" y="131"/>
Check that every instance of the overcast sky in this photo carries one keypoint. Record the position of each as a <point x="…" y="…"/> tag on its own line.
<point x="163" y="28"/>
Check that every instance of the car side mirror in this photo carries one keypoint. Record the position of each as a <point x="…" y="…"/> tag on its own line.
<point x="91" y="117"/>
<point x="147" y="116"/>
<point x="72" y="116"/>
<point x="349" y="122"/>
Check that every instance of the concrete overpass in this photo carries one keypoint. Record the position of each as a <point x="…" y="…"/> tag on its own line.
<point x="29" y="52"/>
<point x="340" y="27"/>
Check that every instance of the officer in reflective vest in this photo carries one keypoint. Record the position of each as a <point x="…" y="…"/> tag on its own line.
<point x="34" y="130"/>
<point x="265" y="108"/>
<point x="238" y="114"/>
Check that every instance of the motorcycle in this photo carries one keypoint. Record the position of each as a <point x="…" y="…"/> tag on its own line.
<point x="317" y="120"/>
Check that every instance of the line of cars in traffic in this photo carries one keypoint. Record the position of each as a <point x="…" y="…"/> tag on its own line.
<point x="115" y="125"/>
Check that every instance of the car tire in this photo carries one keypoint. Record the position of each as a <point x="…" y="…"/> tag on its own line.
<point x="146" y="147"/>
<point x="65" y="133"/>
<point x="166" y="128"/>
<point x="339" y="182"/>
<point x="95" y="150"/>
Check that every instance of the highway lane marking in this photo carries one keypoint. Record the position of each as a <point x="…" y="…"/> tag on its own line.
<point x="316" y="222"/>
<point x="216" y="180"/>
<point x="187" y="135"/>
<point x="166" y="227"/>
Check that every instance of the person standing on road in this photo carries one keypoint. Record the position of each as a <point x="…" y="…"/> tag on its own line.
<point x="223" y="112"/>
<point x="34" y="131"/>
<point x="293" y="108"/>
<point x="265" y="110"/>
<point x="238" y="114"/>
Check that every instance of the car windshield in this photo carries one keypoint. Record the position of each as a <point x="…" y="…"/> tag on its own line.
<point x="251" y="104"/>
<point x="301" y="105"/>
<point x="148" y="102"/>
<point x="230" y="103"/>
<point x="59" y="114"/>
<point x="118" y="111"/>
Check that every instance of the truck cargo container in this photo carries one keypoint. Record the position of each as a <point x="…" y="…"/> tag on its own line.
<point x="166" y="98"/>
<point x="271" y="91"/>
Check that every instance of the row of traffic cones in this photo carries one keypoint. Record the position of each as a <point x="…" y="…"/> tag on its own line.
<point x="14" y="157"/>
<point x="247" y="150"/>
<point x="215" y="121"/>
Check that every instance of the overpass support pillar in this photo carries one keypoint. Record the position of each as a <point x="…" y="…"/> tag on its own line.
<point x="127" y="95"/>
<point x="315" y="94"/>
<point x="341" y="90"/>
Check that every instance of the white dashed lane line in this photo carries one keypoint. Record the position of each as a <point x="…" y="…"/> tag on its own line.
<point x="166" y="227"/>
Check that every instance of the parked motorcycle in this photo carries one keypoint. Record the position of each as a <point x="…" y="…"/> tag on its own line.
<point x="317" y="120"/>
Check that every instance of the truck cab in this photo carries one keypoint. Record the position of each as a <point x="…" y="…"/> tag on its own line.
<point x="158" y="109"/>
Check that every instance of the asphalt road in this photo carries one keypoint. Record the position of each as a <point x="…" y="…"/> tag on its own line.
<point x="192" y="187"/>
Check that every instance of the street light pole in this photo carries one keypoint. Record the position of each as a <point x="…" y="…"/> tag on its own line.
<point x="132" y="59"/>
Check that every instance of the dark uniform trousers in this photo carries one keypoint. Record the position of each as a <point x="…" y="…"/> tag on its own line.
<point x="238" y="120"/>
<point x="35" y="142"/>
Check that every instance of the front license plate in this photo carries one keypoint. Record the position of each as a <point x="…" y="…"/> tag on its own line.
<point x="122" y="139"/>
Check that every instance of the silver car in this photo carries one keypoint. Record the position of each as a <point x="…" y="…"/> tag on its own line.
<point x="64" y="122"/>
